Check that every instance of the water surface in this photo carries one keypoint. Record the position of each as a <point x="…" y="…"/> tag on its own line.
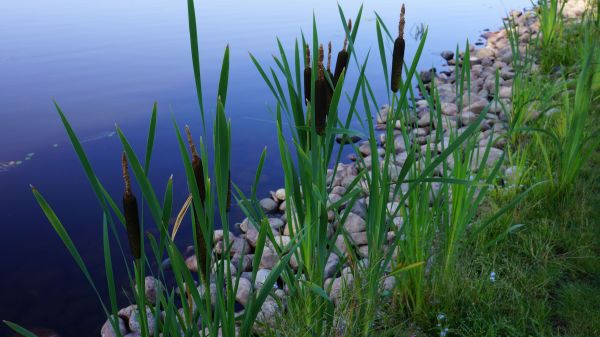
<point x="106" y="62"/>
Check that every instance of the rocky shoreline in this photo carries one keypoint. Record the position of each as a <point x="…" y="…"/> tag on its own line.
<point x="495" y="55"/>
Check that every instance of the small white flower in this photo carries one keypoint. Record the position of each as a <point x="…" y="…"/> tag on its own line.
<point x="493" y="277"/>
<point x="440" y="317"/>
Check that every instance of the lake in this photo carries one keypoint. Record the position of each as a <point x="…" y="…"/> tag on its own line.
<point x="106" y="62"/>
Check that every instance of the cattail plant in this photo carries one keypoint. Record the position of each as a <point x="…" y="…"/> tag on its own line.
<point x="199" y="175"/>
<point x="321" y="96"/>
<point x="307" y="75"/>
<point x="342" y="58"/>
<point x="398" y="54"/>
<point x="130" y="208"/>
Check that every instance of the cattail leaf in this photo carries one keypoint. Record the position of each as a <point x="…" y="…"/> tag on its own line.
<point x="195" y="55"/>
<point x="168" y="202"/>
<point x="150" y="142"/>
<point x="224" y="79"/>
<point x="19" y="329"/>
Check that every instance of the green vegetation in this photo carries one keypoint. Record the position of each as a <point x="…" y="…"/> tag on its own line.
<point x="462" y="241"/>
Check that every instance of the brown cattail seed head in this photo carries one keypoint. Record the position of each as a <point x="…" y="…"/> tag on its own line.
<point x="307" y="75"/>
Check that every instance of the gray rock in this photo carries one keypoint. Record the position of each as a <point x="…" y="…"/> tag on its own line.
<point x="331" y="266"/>
<point x="261" y="277"/>
<point x="447" y="55"/>
<point x="152" y="287"/>
<point x="383" y="114"/>
<point x="268" y="311"/>
<point x="213" y="292"/>
<point x="427" y="75"/>
<point x="280" y="194"/>
<point x="108" y="331"/>
<point x="268" y="205"/>
<point x="243" y="291"/>
<point x="359" y="238"/>
<point x="354" y="223"/>
<point x="449" y="109"/>
<point x="135" y="324"/>
<point x="268" y="259"/>
<point x="276" y="223"/>
<point x="468" y="117"/>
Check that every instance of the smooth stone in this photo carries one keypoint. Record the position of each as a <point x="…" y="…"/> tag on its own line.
<point x="108" y="331"/>
<point x="505" y="92"/>
<point x="252" y="237"/>
<point x="447" y="55"/>
<point x="363" y="251"/>
<point x="383" y="114"/>
<point x="269" y="259"/>
<point x="261" y="277"/>
<point x="345" y="139"/>
<point x="192" y="264"/>
<point x="268" y="205"/>
<point x="213" y="292"/>
<point x="268" y="311"/>
<point x="280" y="194"/>
<point x="276" y="223"/>
<point x="152" y="287"/>
<point x="359" y="238"/>
<point x="337" y="285"/>
<point x="493" y="156"/>
<point x="354" y="223"/>
<point x="135" y="324"/>
<point x="477" y="106"/>
<point x="331" y="266"/>
<point x="468" y="117"/>
<point x="427" y="75"/>
<point x="449" y="109"/>
<point x="243" y="291"/>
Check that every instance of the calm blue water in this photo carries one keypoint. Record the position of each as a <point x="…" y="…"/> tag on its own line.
<point x="106" y="62"/>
